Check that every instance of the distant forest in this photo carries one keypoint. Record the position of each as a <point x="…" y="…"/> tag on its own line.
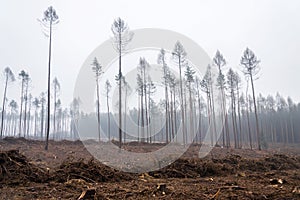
<point x="188" y="110"/>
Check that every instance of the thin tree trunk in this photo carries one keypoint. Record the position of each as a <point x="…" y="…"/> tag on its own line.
<point x="182" y="105"/>
<point x="21" y="108"/>
<point x="98" y="110"/>
<point x="256" y="117"/>
<point x="108" y="117"/>
<point x="49" y="78"/>
<point x="3" y="106"/>
<point x="120" y="92"/>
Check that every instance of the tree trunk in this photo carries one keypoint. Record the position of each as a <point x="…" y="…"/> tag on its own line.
<point x="120" y="92"/>
<point x="98" y="110"/>
<point x="181" y="102"/>
<point x="3" y="106"/>
<point x="48" y="95"/>
<point x="256" y="117"/>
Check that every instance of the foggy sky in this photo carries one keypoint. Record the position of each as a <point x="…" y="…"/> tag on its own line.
<point x="270" y="28"/>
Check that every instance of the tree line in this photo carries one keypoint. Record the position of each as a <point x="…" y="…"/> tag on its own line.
<point x="187" y="113"/>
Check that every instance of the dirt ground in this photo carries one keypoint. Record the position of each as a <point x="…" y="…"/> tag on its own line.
<point x="68" y="171"/>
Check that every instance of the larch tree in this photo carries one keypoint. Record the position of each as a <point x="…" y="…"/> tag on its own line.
<point x="9" y="77"/>
<point x="49" y="20"/>
<point x="97" y="69"/>
<point x="121" y="38"/>
<point x="251" y="68"/>
<point x="179" y="56"/>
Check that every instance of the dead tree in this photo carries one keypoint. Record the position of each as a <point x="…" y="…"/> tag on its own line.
<point x="97" y="68"/>
<point x="251" y="68"/>
<point x="122" y="36"/>
<point x="179" y="56"/>
<point x="9" y="77"/>
<point x="49" y="20"/>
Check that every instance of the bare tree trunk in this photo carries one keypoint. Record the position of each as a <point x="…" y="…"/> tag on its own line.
<point x="142" y="115"/>
<point x="3" y="106"/>
<point x="25" y="111"/>
<point x="108" y="116"/>
<point x="139" y="116"/>
<point x="182" y="105"/>
<point x="42" y="120"/>
<point x="21" y="108"/>
<point x="49" y="78"/>
<point x="191" y="113"/>
<point x="249" y="129"/>
<point x="256" y="117"/>
<point x="120" y="91"/>
<point x="98" y="111"/>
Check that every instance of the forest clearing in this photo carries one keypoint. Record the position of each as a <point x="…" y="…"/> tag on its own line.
<point x="66" y="171"/>
<point x="92" y="108"/>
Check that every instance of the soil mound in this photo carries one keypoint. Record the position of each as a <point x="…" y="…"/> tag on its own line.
<point x="192" y="168"/>
<point x="15" y="168"/>
<point x="90" y="171"/>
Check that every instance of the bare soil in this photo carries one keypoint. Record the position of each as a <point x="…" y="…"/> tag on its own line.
<point x="68" y="171"/>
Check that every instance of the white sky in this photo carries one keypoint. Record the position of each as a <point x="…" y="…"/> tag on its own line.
<point x="270" y="28"/>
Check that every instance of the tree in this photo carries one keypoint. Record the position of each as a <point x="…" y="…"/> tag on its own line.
<point x="74" y="112"/>
<point x="107" y="91"/>
<point x="127" y="92"/>
<point x="151" y="89"/>
<point x="220" y="62"/>
<point x="13" y="111"/>
<point x="251" y="68"/>
<point x="198" y="85"/>
<point x="56" y="90"/>
<point x="28" y="114"/>
<point x="189" y="74"/>
<point x="206" y="87"/>
<point x="26" y="98"/>
<point x="291" y="106"/>
<point x="49" y="20"/>
<point x="173" y="85"/>
<point x="97" y="68"/>
<point x="58" y="114"/>
<point x="142" y="91"/>
<point x="162" y="60"/>
<point x="42" y="102"/>
<point x="122" y="36"/>
<point x="23" y="76"/>
<point x="238" y="87"/>
<point x="231" y="81"/>
<point x="36" y="104"/>
<point x="9" y="77"/>
<point x="179" y="56"/>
